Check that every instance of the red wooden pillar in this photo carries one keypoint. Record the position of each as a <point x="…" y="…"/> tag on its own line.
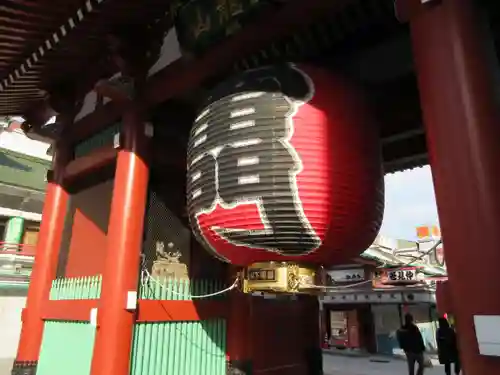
<point x="240" y="332"/>
<point x="125" y="232"/>
<point x="45" y="266"/>
<point x="311" y="336"/>
<point x="456" y="79"/>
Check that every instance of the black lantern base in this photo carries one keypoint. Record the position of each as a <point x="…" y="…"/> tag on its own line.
<point x="314" y="361"/>
<point x="239" y="368"/>
<point x="24" y="368"/>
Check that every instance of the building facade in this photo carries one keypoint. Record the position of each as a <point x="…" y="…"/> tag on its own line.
<point x="367" y="301"/>
<point x="23" y="167"/>
<point x="429" y="68"/>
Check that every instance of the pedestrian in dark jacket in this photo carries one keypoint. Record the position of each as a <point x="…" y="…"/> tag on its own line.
<point x="447" y="347"/>
<point x="411" y="341"/>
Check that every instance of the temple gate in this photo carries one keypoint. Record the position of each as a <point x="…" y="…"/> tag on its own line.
<point x="125" y="82"/>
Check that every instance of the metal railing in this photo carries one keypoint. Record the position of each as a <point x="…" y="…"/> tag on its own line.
<point x="17" y="249"/>
<point x="16" y="262"/>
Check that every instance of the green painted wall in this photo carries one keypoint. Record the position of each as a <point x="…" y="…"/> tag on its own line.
<point x="14" y="230"/>
<point x="179" y="348"/>
<point x="66" y="348"/>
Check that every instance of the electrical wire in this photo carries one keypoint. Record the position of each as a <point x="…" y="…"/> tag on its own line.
<point x="154" y="280"/>
<point x="427" y="252"/>
<point x="146" y="276"/>
<point x="187" y="337"/>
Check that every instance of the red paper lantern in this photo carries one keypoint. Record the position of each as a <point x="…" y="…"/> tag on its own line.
<point x="284" y="165"/>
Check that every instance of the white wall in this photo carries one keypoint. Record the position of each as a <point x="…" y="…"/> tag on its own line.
<point x="18" y="142"/>
<point x="10" y="328"/>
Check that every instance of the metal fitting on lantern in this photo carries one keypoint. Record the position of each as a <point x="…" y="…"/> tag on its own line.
<point x="279" y="277"/>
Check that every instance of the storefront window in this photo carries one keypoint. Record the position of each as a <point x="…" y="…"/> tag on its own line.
<point x="338" y="330"/>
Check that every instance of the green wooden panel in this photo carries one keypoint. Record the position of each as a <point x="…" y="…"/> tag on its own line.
<point x="66" y="348"/>
<point x="14" y="231"/>
<point x="76" y="288"/>
<point x="179" y="348"/>
<point x="98" y="140"/>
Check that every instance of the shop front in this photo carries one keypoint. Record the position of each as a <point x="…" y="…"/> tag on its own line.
<point x="365" y="308"/>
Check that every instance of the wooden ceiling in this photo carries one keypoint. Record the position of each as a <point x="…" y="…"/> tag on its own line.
<point x="44" y="41"/>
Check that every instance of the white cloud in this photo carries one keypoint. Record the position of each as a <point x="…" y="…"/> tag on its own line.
<point x="409" y="201"/>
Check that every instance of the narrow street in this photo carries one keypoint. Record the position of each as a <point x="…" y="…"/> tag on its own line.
<point x="340" y="365"/>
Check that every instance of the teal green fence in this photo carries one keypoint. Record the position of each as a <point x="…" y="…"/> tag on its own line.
<point x="179" y="348"/>
<point x="66" y="348"/>
<point x="76" y="288"/>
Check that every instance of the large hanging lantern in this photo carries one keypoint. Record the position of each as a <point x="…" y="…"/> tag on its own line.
<point x="284" y="168"/>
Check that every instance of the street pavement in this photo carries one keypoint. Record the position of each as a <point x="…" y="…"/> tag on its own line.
<point x="342" y="365"/>
<point x="332" y="365"/>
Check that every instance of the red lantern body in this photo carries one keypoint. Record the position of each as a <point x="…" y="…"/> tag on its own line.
<point x="284" y="165"/>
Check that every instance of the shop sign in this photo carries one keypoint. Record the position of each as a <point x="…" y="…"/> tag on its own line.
<point x="348" y="275"/>
<point x="400" y="276"/>
<point x="202" y="23"/>
<point x="262" y="274"/>
<point x="409" y="275"/>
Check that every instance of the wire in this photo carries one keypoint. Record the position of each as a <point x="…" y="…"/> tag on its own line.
<point x="409" y="263"/>
<point x="146" y="276"/>
<point x="427" y="252"/>
<point x="339" y="286"/>
<point x="150" y="278"/>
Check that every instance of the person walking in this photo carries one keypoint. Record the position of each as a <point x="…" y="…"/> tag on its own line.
<point x="411" y="341"/>
<point x="446" y="339"/>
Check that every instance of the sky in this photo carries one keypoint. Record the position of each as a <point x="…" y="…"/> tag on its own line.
<point x="409" y="202"/>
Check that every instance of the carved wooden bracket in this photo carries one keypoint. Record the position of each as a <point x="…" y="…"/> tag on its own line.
<point x="132" y="49"/>
<point x="35" y="118"/>
<point x="61" y="101"/>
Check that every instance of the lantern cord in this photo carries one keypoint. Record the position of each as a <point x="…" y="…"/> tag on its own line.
<point x="148" y="276"/>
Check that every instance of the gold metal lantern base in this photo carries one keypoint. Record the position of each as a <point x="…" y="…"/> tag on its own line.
<point x="279" y="277"/>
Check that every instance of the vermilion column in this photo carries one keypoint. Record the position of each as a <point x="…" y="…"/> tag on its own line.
<point x="45" y="266"/>
<point x="456" y="77"/>
<point x="240" y="332"/>
<point x="311" y="340"/>
<point x="121" y="270"/>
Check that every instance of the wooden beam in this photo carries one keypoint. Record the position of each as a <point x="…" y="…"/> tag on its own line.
<point x="147" y="311"/>
<point x="271" y="26"/>
<point x="165" y="311"/>
<point x="89" y="163"/>
<point x="181" y="76"/>
<point x="72" y="310"/>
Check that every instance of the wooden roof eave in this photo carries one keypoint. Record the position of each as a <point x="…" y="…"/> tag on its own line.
<point x="33" y="51"/>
